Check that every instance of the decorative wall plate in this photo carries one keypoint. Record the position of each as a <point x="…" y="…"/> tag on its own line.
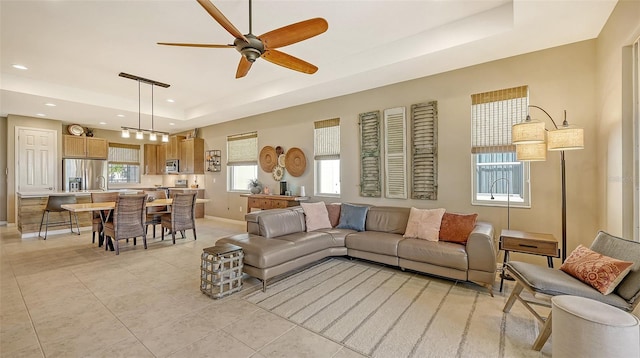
<point x="75" y="129"/>
<point x="296" y="162"/>
<point x="277" y="173"/>
<point x="281" y="161"/>
<point x="268" y="158"/>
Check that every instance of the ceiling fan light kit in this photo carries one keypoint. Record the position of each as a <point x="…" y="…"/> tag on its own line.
<point x="252" y="47"/>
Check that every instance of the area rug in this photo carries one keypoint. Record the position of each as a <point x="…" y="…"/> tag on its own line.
<point x="385" y="312"/>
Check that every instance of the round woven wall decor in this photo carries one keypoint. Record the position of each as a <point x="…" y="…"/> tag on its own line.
<point x="268" y="158"/>
<point x="295" y="162"/>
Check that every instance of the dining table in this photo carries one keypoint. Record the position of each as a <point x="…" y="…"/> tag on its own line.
<point x="105" y="209"/>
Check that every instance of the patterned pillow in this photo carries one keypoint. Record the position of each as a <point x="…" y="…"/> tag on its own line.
<point x="602" y="272"/>
<point x="424" y="224"/>
<point x="316" y="216"/>
<point x="457" y="227"/>
<point x="353" y="217"/>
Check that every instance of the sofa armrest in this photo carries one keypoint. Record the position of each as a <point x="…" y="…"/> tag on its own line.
<point x="481" y="248"/>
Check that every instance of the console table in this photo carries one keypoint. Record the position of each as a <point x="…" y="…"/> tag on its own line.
<point x="265" y="201"/>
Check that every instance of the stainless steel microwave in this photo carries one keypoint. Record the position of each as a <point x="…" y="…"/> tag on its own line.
<point x="173" y="166"/>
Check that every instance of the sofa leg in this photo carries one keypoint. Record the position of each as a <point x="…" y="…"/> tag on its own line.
<point x="264" y="285"/>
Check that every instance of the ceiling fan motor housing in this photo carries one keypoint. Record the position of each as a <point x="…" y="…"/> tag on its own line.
<point x="251" y="50"/>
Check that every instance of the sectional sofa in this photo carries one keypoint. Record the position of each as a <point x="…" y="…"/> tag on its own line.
<point x="277" y="241"/>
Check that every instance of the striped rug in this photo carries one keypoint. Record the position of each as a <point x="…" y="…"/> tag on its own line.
<point x="385" y="312"/>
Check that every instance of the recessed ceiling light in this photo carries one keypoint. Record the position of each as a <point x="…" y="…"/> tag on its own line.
<point x="172" y="124"/>
<point x="20" y="67"/>
<point x="170" y="100"/>
<point x="50" y="104"/>
<point x="120" y="115"/>
<point x="41" y="115"/>
<point x="103" y="123"/>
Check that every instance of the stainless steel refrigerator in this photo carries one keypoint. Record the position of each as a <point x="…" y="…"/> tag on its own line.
<point x="84" y="174"/>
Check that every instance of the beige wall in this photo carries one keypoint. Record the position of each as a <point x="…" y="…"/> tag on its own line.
<point x="614" y="124"/>
<point x="559" y="78"/>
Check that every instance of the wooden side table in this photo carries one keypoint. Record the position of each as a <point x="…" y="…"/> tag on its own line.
<point x="527" y="243"/>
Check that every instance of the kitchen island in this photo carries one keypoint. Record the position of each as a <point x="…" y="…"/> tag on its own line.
<point x="32" y="204"/>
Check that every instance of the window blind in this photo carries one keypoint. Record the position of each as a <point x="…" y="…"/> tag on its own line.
<point x="395" y="153"/>
<point x="120" y="153"/>
<point x="492" y="116"/>
<point x="242" y="149"/>
<point x="326" y="139"/>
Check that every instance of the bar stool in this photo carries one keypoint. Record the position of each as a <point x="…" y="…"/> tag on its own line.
<point x="54" y="205"/>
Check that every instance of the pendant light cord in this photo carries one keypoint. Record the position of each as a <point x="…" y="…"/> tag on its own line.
<point x="138" y="105"/>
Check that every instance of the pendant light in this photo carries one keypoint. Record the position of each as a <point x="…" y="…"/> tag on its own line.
<point x="153" y="133"/>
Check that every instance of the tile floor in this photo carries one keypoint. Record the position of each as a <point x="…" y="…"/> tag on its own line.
<point x="65" y="297"/>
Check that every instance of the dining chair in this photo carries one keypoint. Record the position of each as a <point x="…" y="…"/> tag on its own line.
<point x="154" y="213"/>
<point x="54" y="205"/>
<point x="98" y="216"/>
<point x="128" y="220"/>
<point x="181" y="217"/>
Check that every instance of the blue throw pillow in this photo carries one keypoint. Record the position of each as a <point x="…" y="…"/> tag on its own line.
<point x="353" y="217"/>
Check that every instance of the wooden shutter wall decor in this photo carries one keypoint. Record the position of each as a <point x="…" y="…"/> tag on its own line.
<point x="370" y="171"/>
<point x="424" y="151"/>
<point x="395" y="153"/>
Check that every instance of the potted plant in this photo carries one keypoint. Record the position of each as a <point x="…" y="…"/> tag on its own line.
<point x="255" y="187"/>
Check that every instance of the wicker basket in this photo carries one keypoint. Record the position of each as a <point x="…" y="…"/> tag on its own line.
<point x="221" y="270"/>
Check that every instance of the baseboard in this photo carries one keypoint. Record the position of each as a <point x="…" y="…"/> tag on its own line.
<point x="231" y="221"/>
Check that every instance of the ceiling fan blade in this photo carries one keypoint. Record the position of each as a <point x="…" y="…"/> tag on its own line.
<point x="294" y="33"/>
<point x="195" y="45"/>
<point x="243" y="67"/>
<point x="288" y="61"/>
<point x="221" y="19"/>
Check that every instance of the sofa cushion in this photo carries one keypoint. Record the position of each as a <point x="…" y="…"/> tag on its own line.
<point x="439" y="253"/>
<point x="374" y="241"/>
<point x="424" y="224"/>
<point x="281" y="222"/>
<point x="601" y="272"/>
<point x="261" y="252"/>
<point x="316" y="216"/>
<point x="387" y="219"/>
<point x="334" y="213"/>
<point x="312" y="241"/>
<point x="457" y="227"/>
<point x="352" y="217"/>
<point x="338" y="235"/>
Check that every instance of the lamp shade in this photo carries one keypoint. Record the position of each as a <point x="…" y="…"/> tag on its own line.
<point x="565" y="138"/>
<point x="125" y="133"/>
<point x="533" y="152"/>
<point x="527" y="132"/>
<point x="153" y="137"/>
<point x="139" y="134"/>
<point x="165" y="138"/>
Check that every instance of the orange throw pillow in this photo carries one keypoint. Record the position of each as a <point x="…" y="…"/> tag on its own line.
<point x="457" y="227"/>
<point x="601" y="272"/>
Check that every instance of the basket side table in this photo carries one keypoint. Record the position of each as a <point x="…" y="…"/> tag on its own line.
<point x="221" y="270"/>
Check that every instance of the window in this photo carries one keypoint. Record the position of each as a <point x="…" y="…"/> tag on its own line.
<point x="124" y="163"/>
<point x="497" y="178"/>
<point x="242" y="160"/>
<point x="326" y="144"/>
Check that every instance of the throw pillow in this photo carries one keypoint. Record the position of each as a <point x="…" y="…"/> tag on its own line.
<point x="603" y="273"/>
<point x="424" y="224"/>
<point x="334" y="213"/>
<point x="353" y="217"/>
<point x="316" y="216"/>
<point x="457" y="227"/>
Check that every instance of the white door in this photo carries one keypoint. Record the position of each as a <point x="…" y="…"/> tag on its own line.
<point x="36" y="159"/>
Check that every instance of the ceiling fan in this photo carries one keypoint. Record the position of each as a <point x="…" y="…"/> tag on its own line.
<point x="253" y="47"/>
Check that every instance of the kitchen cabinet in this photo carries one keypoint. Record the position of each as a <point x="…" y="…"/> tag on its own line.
<point x="192" y="156"/>
<point x="173" y="147"/>
<point x="150" y="159"/>
<point x="84" y="147"/>
<point x="154" y="159"/>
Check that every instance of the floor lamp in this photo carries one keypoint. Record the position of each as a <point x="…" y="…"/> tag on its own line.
<point x="532" y="142"/>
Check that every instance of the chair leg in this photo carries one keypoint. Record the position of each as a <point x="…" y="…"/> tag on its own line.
<point x="544" y="334"/>
<point x="93" y="237"/>
<point x="115" y="243"/>
<point x="46" y="227"/>
<point x="162" y="227"/>
<point x="173" y="236"/>
<point x="194" y="234"/>
<point x="144" y="238"/>
<point x="41" y="222"/>
<point x="512" y="298"/>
